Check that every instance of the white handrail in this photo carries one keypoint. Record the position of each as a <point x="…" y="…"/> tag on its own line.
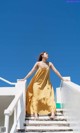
<point x="11" y="83"/>
<point x="70" y="94"/>
<point x="17" y="107"/>
<point x="13" y="104"/>
<point x="12" y="108"/>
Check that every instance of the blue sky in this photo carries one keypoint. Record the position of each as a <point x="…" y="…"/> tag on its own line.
<point x="29" y="27"/>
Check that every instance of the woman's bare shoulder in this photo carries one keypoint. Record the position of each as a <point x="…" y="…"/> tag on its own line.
<point x="37" y="63"/>
<point x="50" y="63"/>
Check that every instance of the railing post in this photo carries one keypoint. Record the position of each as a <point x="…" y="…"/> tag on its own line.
<point x="15" y="114"/>
<point x="6" y="124"/>
<point x="19" y="124"/>
<point x="21" y="85"/>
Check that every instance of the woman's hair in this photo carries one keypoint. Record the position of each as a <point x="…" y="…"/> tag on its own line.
<point x="40" y="56"/>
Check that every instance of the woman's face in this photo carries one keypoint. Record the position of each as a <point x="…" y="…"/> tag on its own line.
<point x="45" y="55"/>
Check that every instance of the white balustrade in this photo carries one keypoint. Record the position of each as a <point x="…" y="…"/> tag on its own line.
<point x="70" y="95"/>
<point x="17" y="106"/>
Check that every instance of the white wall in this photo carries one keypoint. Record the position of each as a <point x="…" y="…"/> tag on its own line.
<point x="7" y="94"/>
<point x="70" y="94"/>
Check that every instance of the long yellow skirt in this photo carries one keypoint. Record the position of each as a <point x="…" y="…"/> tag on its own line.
<point x="40" y="94"/>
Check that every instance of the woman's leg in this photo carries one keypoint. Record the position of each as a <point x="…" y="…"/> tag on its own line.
<point x="52" y="114"/>
<point x="35" y="99"/>
<point x="52" y="110"/>
<point x="34" y="105"/>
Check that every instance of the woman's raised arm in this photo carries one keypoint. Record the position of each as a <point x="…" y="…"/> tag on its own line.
<point x="31" y="72"/>
<point x="56" y="71"/>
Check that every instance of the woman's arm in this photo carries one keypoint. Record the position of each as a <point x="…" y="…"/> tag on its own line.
<point x="56" y="71"/>
<point x="31" y="72"/>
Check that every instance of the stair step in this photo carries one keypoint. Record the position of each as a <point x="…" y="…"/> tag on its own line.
<point x="66" y="125"/>
<point x="45" y="118"/>
<point x="34" y="122"/>
<point x="22" y="131"/>
<point x="45" y="132"/>
<point x="43" y="124"/>
<point x="57" y="114"/>
<point x="46" y="129"/>
<point x="59" y="110"/>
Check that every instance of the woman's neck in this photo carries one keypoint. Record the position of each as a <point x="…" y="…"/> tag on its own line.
<point x="44" y="60"/>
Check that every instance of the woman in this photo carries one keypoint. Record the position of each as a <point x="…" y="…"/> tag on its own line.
<point x="40" y="93"/>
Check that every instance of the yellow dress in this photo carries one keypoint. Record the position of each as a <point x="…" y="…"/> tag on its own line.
<point x="40" y="94"/>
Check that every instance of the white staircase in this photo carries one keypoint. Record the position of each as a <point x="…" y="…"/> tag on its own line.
<point x="45" y="125"/>
<point x="12" y="110"/>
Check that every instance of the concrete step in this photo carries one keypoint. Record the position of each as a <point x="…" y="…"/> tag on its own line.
<point x="59" y="110"/>
<point x="43" y="124"/>
<point x="42" y="130"/>
<point x="45" y="118"/>
<point x="45" y="132"/>
<point x="48" y="128"/>
<point x="47" y="123"/>
<point x="57" y="114"/>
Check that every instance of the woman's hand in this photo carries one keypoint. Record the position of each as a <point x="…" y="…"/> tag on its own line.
<point x="65" y="79"/>
<point x="22" y="79"/>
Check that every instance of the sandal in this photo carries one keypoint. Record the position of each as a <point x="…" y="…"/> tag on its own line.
<point x="52" y="116"/>
<point x="35" y="116"/>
